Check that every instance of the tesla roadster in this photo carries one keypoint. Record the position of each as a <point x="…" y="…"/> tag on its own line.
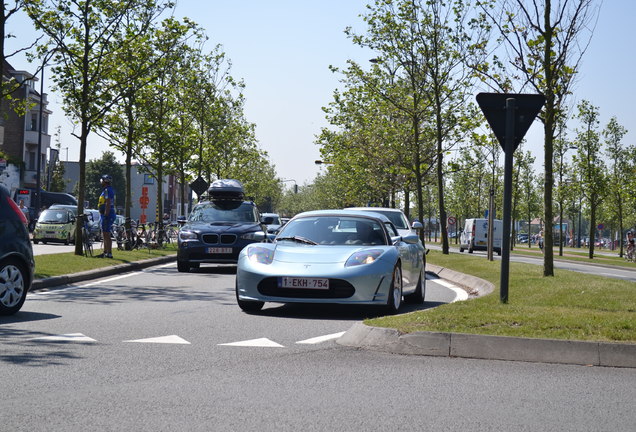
<point x="333" y="256"/>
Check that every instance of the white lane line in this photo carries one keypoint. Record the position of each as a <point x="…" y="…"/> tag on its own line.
<point x="460" y="294"/>
<point x="109" y="279"/>
<point x="172" y="339"/>
<point x="71" y="337"/>
<point x="261" y="342"/>
<point x="319" y="339"/>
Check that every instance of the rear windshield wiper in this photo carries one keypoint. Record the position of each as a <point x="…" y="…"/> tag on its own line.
<point x="298" y="239"/>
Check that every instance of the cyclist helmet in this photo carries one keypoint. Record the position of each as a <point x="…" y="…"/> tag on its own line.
<point x="107" y="178"/>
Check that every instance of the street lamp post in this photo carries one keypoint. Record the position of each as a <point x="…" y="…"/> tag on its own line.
<point x="38" y="179"/>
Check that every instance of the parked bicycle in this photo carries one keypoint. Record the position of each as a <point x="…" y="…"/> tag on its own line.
<point x="87" y="238"/>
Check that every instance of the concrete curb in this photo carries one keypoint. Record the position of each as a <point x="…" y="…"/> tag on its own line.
<point x="39" y="284"/>
<point x="485" y="346"/>
<point x="490" y="347"/>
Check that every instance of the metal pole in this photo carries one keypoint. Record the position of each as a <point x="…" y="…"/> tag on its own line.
<point x="507" y="200"/>
<point x="38" y="180"/>
<point x="491" y="217"/>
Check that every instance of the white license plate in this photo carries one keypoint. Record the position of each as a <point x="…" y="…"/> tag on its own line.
<point x="305" y="283"/>
<point x="219" y="250"/>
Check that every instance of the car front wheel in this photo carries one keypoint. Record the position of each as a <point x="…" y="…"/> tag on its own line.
<point x="248" y="306"/>
<point x="183" y="266"/>
<point x="420" y="292"/>
<point x="13" y="286"/>
<point x="395" y="292"/>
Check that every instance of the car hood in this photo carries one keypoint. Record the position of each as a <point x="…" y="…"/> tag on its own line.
<point x="298" y="253"/>
<point x="222" y="227"/>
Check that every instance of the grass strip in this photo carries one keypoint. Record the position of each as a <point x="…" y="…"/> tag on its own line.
<point x="568" y="306"/>
<point x="50" y="265"/>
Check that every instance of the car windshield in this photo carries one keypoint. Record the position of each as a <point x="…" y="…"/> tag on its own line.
<point x="396" y="217"/>
<point x="224" y="211"/>
<point x="333" y="230"/>
<point x="54" y="216"/>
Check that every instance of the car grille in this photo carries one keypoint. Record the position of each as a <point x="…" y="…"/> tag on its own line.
<point x="214" y="238"/>
<point x="338" y="288"/>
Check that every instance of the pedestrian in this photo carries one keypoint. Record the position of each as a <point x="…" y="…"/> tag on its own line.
<point x="106" y="207"/>
<point x="540" y="240"/>
<point x="25" y="211"/>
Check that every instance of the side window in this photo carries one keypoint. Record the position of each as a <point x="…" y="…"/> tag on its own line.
<point x="391" y="229"/>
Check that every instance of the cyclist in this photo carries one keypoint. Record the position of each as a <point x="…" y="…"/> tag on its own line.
<point x="106" y="206"/>
<point x="630" y="245"/>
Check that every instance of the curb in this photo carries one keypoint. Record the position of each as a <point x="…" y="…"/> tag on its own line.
<point x="490" y="347"/>
<point x="39" y="284"/>
<point x="485" y="346"/>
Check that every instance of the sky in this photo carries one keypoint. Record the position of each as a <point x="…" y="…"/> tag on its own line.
<point x="282" y="50"/>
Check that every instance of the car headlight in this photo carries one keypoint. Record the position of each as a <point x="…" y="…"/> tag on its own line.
<point x="187" y="235"/>
<point x="258" y="236"/>
<point x="363" y="257"/>
<point x="260" y="255"/>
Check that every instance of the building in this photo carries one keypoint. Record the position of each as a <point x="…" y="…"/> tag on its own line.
<point x="24" y="136"/>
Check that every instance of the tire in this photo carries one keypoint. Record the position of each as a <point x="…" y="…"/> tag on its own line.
<point x="461" y="249"/>
<point x="36" y="241"/>
<point x="248" y="306"/>
<point x="183" y="266"/>
<point x="14" y="282"/>
<point x="394" y="302"/>
<point x="68" y="239"/>
<point x="420" y="292"/>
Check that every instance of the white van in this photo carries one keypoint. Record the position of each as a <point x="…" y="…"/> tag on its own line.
<point x="475" y="235"/>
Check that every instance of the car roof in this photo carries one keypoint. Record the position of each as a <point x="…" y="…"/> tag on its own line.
<point x="345" y="212"/>
<point x="375" y="209"/>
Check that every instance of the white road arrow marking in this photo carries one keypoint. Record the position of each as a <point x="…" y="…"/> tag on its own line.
<point x="172" y="339"/>
<point x="319" y="339"/>
<point x="71" y="337"/>
<point x="262" y="342"/>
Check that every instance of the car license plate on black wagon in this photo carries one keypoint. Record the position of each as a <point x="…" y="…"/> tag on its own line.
<point x="219" y="250"/>
<point x="303" y="282"/>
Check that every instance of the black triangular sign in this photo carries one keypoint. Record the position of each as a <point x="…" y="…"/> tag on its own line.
<point x="527" y="107"/>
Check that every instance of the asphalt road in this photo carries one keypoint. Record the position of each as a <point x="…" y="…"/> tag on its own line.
<point x="158" y="350"/>
<point x="581" y="267"/>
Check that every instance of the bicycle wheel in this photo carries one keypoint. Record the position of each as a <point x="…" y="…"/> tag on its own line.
<point x="88" y="244"/>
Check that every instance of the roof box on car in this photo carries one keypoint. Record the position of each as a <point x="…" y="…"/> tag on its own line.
<point x="226" y="190"/>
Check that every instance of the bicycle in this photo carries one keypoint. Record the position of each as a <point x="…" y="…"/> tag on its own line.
<point x="630" y="254"/>
<point x="87" y="241"/>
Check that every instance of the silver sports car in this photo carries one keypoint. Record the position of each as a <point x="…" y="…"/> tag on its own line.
<point x="333" y="256"/>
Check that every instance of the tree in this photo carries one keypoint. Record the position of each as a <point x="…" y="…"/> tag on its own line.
<point x="589" y="164"/>
<point x="85" y="45"/>
<point x="545" y="48"/>
<point x="621" y="172"/>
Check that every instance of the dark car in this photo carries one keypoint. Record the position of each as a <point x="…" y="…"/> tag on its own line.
<point x="16" y="255"/>
<point x="219" y="227"/>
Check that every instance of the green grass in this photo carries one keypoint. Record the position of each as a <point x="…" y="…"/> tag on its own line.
<point x="68" y="263"/>
<point x="569" y="305"/>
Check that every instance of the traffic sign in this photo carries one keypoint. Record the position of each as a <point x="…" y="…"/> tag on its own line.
<point x="601" y="226"/>
<point x="199" y="186"/>
<point x="527" y="106"/>
<point x="451" y="220"/>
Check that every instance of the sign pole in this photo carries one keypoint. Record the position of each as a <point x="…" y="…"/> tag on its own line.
<point x="507" y="200"/>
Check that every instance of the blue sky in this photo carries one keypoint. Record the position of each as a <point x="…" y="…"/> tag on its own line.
<point x="282" y="50"/>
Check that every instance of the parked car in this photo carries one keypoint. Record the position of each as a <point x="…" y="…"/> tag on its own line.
<point x="219" y="227"/>
<point x="57" y="225"/>
<point x="396" y="216"/>
<point x="272" y="221"/>
<point x="16" y="256"/>
<point x="333" y="256"/>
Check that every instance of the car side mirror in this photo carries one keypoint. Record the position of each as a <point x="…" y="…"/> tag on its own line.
<point x="417" y="225"/>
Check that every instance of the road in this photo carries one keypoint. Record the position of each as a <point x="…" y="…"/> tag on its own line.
<point x="158" y="350"/>
<point x="581" y="267"/>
